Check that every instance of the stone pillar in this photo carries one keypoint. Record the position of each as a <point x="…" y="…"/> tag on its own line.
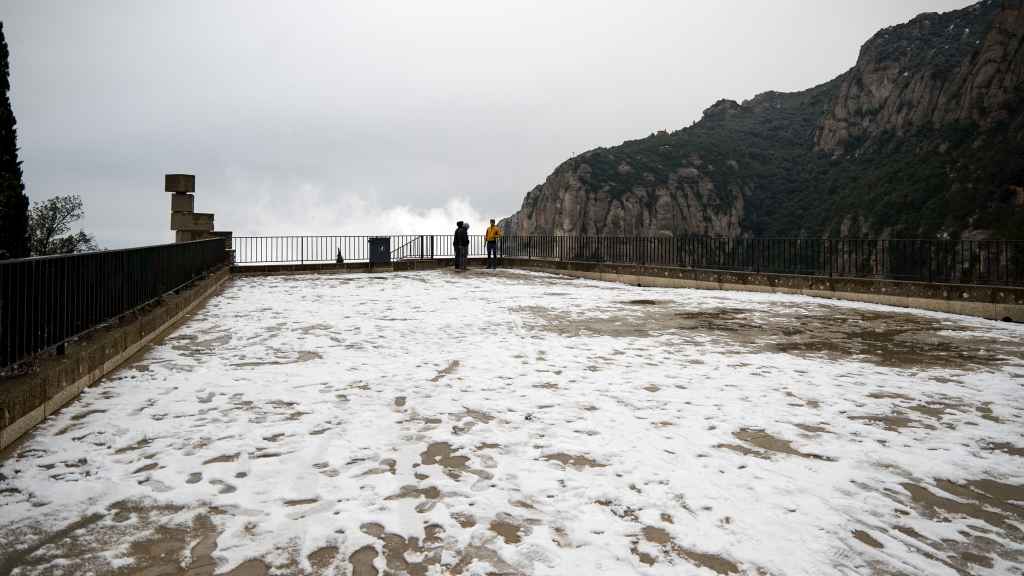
<point x="187" y="224"/>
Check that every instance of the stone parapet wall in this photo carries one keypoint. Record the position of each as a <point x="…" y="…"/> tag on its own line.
<point x="26" y="400"/>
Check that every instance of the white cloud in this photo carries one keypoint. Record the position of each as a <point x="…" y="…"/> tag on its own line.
<point x="403" y="219"/>
<point x="312" y="211"/>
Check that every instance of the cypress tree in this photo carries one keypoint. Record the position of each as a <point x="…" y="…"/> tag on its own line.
<point x="13" y="201"/>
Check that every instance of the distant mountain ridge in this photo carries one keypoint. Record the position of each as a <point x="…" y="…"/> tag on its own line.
<point x="922" y="137"/>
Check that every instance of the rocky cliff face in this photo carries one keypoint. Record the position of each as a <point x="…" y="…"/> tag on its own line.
<point x="686" y="203"/>
<point x="938" y="69"/>
<point x="922" y="137"/>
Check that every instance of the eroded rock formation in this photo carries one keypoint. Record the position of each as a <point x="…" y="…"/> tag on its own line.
<point x="922" y="137"/>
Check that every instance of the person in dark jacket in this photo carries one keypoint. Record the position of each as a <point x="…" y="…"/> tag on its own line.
<point x="461" y="244"/>
<point x="465" y="244"/>
<point x="455" y="243"/>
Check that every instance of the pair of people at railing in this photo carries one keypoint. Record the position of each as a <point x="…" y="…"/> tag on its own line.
<point x="461" y="245"/>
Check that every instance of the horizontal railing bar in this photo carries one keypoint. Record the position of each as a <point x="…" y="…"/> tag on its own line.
<point x="112" y="251"/>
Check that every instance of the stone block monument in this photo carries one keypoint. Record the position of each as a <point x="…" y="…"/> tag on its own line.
<point x="187" y="224"/>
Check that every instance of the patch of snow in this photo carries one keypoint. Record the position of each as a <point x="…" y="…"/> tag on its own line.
<point x="306" y="407"/>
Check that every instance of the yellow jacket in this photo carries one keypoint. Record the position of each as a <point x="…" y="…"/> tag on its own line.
<point x="493" y="233"/>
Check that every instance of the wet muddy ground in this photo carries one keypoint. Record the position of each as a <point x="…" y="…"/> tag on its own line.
<point x="521" y="423"/>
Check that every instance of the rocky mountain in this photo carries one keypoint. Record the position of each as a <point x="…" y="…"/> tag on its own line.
<point x="922" y="137"/>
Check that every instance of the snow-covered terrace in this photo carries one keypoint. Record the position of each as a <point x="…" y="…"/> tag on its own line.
<point x="523" y="423"/>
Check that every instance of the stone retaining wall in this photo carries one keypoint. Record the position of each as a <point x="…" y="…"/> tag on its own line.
<point x="28" y="399"/>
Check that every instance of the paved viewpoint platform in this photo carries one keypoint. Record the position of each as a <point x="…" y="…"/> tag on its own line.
<point x="521" y="423"/>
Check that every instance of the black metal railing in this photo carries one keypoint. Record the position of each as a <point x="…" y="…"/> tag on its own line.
<point x="257" y="250"/>
<point x="984" y="262"/>
<point x="46" y="301"/>
<point x="415" y="249"/>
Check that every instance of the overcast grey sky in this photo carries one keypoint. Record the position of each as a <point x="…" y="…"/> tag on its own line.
<point x="360" y="117"/>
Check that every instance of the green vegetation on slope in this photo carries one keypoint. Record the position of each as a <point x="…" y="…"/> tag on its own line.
<point x="927" y="183"/>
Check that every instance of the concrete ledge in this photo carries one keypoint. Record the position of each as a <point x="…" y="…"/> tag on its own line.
<point x="333" y="268"/>
<point x="991" y="302"/>
<point x="437" y="264"/>
<point x="27" y="400"/>
<point x="20" y="426"/>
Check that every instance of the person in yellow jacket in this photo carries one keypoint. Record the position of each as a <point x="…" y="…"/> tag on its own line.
<point x="492" y="235"/>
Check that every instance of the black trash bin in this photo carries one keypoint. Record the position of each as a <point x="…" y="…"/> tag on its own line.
<point x="380" y="250"/>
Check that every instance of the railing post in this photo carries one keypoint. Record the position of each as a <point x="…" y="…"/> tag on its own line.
<point x="929" y="261"/>
<point x="828" y="252"/>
